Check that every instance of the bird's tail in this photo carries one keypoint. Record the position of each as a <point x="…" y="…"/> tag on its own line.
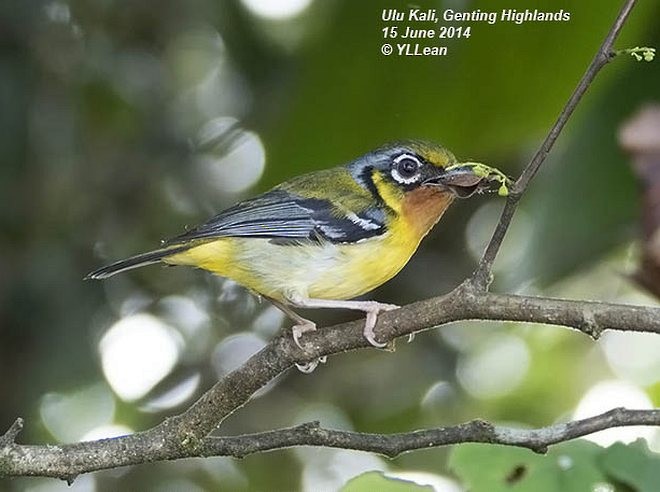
<point x="136" y="261"/>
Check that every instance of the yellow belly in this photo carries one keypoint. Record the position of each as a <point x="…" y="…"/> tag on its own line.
<point x="312" y="270"/>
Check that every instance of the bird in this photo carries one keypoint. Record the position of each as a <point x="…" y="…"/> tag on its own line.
<point x="321" y="239"/>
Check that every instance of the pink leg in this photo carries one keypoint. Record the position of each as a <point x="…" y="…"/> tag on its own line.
<point x="372" y="308"/>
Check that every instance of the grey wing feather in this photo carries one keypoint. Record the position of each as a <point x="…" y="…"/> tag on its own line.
<point x="280" y="215"/>
<point x="274" y="214"/>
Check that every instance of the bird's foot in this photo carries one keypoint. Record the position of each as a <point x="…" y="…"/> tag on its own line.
<point x="309" y="367"/>
<point x="298" y="330"/>
<point x="302" y="327"/>
<point x="373" y="310"/>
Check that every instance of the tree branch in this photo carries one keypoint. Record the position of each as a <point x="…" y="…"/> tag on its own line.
<point x="9" y="437"/>
<point x="392" y="445"/>
<point x="481" y="278"/>
<point x="187" y="434"/>
<point x="66" y="461"/>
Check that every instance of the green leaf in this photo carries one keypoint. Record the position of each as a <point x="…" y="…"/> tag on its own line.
<point x="644" y="53"/>
<point x="634" y="465"/>
<point x="566" y="468"/>
<point x="374" y="480"/>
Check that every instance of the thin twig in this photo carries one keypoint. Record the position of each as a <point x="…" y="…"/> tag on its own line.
<point x="482" y="276"/>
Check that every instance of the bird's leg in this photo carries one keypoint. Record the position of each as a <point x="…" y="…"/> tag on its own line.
<point x="302" y="325"/>
<point x="372" y="308"/>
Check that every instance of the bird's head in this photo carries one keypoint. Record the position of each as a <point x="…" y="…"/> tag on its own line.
<point x="410" y="166"/>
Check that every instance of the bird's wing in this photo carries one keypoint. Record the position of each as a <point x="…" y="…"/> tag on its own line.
<point x="283" y="216"/>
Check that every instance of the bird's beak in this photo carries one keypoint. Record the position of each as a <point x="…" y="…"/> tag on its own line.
<point x="461" y="180"/>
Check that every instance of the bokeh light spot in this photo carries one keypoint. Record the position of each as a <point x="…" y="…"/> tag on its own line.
<point x="603" y="487"/>
<point x="633" y="356"/>
<point x="607" y="395"/>
<point x="58" y="12"/>
<point x="329" y="469"/>
<point x="235" y="158"/>
<point x="479" y="230"/>
<point x="234" y="350"/>
<point x="106" y="432"/>
<point x="185" y="313"/>
<point x="70" y="416"/>
<point x="136" y="353"/>
<point x="175" y="396"/>
<point x="438" y="395"/>
<point x="426" y="479"/>
<point x="496" y="368"/>
<point x="268" y="321"/>
<point x="277" y="9"/>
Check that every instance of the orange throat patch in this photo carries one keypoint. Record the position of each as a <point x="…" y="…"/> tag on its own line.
<point x="423" y="207"/>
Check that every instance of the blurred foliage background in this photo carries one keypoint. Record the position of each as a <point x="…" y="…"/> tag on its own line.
<point x="123" y="122"/>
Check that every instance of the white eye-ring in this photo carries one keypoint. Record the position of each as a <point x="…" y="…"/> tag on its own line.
<point x="406" y="169"/>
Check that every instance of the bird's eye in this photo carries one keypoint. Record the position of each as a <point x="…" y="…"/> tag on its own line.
<point x="406" y="169"/>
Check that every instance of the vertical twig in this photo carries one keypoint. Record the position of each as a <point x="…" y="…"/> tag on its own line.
<point x="482" y="276"/>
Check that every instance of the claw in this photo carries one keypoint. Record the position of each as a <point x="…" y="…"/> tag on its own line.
<point x="298" y="330"/>
<point x="308" y="367"/>
<point x="371" y="336"/>
<point x="411" y="337"/>
<point x="370" y="324"/>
